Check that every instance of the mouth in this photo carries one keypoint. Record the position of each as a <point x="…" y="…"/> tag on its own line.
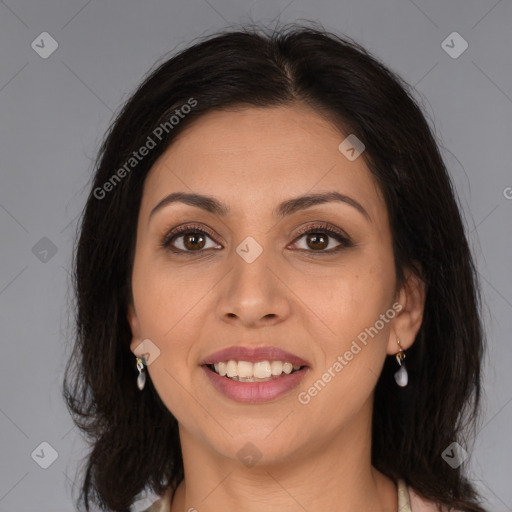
<point x="254" y="375"/>
<point x="260" y="371"/>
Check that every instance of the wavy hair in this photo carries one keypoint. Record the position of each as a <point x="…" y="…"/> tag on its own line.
<point x="133" y="436"/>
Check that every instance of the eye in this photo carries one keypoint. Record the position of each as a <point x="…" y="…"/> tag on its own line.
<point x="191" y="238"/>
<point x="316" y="239"/>
<point x="188" y="238"/>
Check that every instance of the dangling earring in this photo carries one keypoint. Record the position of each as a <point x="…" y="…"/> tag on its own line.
<point x="141" y="379"/>
<point x="401" y="375"/>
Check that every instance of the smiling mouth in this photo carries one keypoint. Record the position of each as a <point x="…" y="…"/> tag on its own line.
<point x="260" y="371"/>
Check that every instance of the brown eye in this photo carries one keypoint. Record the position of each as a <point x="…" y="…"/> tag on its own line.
<point x="317" y="241"/>
<point x="188" y="239"/>
<point x="193" y="241"/>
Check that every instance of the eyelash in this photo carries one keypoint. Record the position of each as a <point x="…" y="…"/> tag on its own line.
<point x="322" y="228"/>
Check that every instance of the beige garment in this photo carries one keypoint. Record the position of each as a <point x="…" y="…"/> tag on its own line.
<point x="408" y="501"/>
<point x="411" y="501"/>
<point x="163" y="504"/>
<point x="404" y="503"/>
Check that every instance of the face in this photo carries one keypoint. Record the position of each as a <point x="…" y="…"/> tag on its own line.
<point x="248" y="277"/>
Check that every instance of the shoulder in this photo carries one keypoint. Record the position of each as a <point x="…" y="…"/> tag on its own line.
<point x="421" y="504"/>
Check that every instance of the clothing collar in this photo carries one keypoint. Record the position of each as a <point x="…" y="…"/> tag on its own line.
<point x="404" y="503"/>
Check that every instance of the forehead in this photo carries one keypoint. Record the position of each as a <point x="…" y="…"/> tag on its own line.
<point x="258" y="156"/>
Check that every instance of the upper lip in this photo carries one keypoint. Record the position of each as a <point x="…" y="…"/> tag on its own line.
<point x="254" y="354"/>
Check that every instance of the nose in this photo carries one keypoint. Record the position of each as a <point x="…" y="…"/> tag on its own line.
<point x="253" y="294"/>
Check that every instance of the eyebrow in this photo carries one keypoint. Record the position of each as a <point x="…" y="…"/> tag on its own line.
<point x="288" y="207"/>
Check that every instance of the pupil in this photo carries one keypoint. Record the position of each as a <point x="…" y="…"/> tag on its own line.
<point x="315" y="237"/>
<point x="191" y="241"/>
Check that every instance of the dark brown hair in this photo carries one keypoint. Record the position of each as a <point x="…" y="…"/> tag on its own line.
<point x="134" y="437"/>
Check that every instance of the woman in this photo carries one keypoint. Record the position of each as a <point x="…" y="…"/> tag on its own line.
<point x="277" y="307"/>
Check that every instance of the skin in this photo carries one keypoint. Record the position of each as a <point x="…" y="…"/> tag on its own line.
<point x="316" y="456"/>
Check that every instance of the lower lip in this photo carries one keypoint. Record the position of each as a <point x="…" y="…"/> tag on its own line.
<point x="255" y="392"/>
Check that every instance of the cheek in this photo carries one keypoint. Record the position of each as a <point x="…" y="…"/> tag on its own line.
<point x="351" y="299"/>
<point x="354" y="347"/>
<point x="165" y="296"/>
<point x="167" y="311"/>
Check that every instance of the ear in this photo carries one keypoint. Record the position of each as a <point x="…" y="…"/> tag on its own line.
<point x="408" y="321"/>
<point x="135" y="328"/>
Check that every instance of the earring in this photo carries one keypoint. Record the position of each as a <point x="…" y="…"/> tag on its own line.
<point x="401" y="375"/>
<point x="141" y="379"/>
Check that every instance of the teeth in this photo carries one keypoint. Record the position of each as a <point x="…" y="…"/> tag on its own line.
<point x="232" y="369"/>
<point x="247" y="371"/>
<point x="260" y="370"/>
<point x="276" y="367"/>
<point x="221" y="368"/>
<point x="287" y="368"/>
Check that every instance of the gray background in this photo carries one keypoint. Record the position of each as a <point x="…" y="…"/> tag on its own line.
<point x="54" y="111"/>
